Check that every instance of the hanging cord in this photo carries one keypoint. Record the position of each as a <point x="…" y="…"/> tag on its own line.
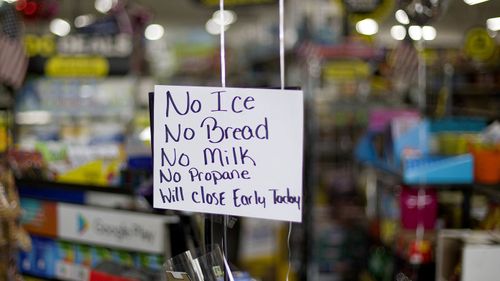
<point x="282" y="42"/>
<point x="222" y="45"/>
<point x="227" y="272"/>
<point x="282" y="80"/>
<point x="289" y="250"/>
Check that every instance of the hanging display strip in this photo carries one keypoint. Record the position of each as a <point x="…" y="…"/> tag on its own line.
<point x="231" y="151"/>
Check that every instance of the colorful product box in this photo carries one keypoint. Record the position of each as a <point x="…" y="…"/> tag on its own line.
<point x="66" y="251"/>
<point x="40" y="261"/>
<point x="100" y="254"/>
<point x="123" y="257"/>
<point x="25" y="261"/>
<point x="418" y="208"/>
<point x="84" y="255"/>
<point x="150" y="261"/>
<point x="39" y="217"/>
<point x="69" y="261"/>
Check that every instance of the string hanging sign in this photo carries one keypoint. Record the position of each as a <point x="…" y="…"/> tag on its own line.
<point x="230" y="151"/>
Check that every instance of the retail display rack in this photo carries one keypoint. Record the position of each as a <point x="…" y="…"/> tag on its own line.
<point x="413" y="195"/>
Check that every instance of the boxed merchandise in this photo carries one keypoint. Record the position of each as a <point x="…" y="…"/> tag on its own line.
<point x="418" y="208"/>
<point x="83" y="255"/>
<point x="467" y="255"/>
<point x="487" y="163"/>
<point x="80" y="128"/>
<point x="100" y="254"/>
<point x="404" y="148"/>
<point x="486" y="151"/>
<point x="123" y="257"/>
<point x="39" y="217"/>
<point x="150" y="261"/>
<point x="66" y="251"/>
<point x="41" y="260"/>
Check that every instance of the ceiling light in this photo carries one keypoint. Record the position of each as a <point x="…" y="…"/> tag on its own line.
<point x="213" y="28"/>
<point x="398" y="32"/>
<point x="145" y="135"/>
<point x="429" y="33"/>
<point x="59" y="27"/>
<point x="367" y="27"/>
<point x="84" y="20"/>
<point x="104" y="6"/>
<point x="415" y="32"/>
<point x="474" y="2"/>
<point x="402" y="17"/>
<point x="154" y="32"/>
<point x="419" y="8"/>
<point x="493" y="24"/>
<point x="229" y="17"/>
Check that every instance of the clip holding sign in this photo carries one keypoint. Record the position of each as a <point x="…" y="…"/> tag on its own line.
<point x="177" y="276"/>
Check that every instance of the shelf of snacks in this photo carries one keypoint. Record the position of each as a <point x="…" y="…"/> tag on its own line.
<point x="73" y="130"/>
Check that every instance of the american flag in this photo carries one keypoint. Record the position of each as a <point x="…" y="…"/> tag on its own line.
<point x="404" y="62"/>
<point x="13" y="59"/>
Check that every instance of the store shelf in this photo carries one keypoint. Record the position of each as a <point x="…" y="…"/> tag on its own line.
<point x="33" y="277"/>
<point x="21" y="183"/>
<point x="389" y="177"/>
<point x="488" y="108"/>
<point x="468" y="90"/>
<point x="393" y="175"/>
<point x="476" y="95"/>
<point x="491" y="191"/>
<point x="477" y="111"/>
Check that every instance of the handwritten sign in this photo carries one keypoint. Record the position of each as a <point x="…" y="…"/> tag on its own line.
<point x="232" y="151"/>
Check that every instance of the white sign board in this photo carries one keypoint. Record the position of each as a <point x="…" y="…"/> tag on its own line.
<point x="232" y="151"/>
<point x="121" y="229"/>
<point x="480" y="262"/>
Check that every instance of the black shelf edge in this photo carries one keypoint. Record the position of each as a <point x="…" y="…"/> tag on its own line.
<point x="73" y="186"/>
<point x="38" y="277"/>
<point x="495" y="186"/>
<point x="492" y="191"/>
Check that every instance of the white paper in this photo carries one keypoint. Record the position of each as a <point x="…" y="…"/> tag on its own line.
<point x="256" y="137"/>
<point x="480" y="262"/>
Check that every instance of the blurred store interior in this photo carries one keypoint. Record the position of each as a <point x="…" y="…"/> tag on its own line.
<point x="401" y="157"/>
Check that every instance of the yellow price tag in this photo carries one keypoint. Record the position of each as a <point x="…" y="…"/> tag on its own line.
<point x="346" y="69"/>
